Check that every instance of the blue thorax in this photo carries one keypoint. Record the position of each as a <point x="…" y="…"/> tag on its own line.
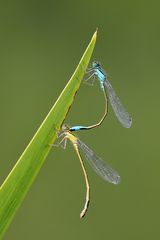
<point x="100" y="73"/>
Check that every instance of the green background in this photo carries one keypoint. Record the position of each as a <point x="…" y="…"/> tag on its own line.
<point x="41" y="43"/>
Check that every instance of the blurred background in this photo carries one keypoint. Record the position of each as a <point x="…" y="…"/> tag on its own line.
<point x="41" y="43"/>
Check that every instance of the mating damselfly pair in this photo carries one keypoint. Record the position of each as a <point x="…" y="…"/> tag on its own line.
<point x="98" y="165"/>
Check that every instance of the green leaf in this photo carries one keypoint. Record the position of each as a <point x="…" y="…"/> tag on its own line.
<point x="21" y="177"/>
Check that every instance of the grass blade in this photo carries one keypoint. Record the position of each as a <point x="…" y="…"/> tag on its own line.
<point x="21" y="177"/>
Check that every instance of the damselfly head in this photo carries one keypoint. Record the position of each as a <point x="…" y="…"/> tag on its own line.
<point x="96" y="64"/>
<point x="65" y="127"/>
<point x="62" y="131"/>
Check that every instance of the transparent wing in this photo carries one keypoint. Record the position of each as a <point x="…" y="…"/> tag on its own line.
<point x="119" y="110"/>
<point x="98" y="165"/>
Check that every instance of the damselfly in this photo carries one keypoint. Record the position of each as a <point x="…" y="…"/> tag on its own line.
<point x="119" y="110"/>
<point x="98" y="165"/>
